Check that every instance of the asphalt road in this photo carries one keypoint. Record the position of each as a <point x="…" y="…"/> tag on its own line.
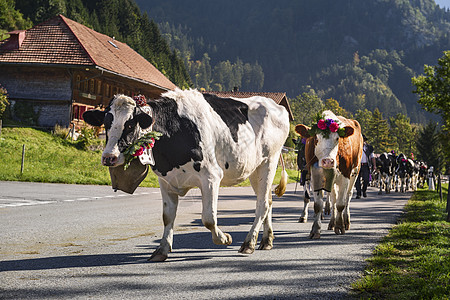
<point x="87" y="242"/>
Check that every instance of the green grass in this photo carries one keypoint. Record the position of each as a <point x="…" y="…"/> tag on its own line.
<point x="50" y="158"/>
<point x="413" y="261"/>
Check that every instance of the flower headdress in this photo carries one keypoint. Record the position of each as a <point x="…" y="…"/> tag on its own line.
<point x="140" y="100"/>
<point x="325" y="126"/>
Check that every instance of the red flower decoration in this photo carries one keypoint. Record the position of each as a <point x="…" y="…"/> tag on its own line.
<point x="334" y="127"/>
<point x="321" y="124"/>
<point x="140" y="100"/>
<point x="139" y="151"/>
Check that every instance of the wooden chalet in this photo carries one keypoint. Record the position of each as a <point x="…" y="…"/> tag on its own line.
<point x="60" y="68"/>
<point x="279" y="98"/>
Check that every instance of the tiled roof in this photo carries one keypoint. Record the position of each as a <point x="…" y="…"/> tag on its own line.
<point x="62" y="41"/>
<point x="279" y="98"/>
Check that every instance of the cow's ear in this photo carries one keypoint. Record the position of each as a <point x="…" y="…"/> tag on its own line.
<point x="348" y="131"/>
<point x="144" y="120"/>
<point x="303" y="130"/>
<point x="94" y="117"/>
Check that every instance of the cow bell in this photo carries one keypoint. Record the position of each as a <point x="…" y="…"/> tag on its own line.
<point x="322" y="179"/>
<point x="128" y="180"/>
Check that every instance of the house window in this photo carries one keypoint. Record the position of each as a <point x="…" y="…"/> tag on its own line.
<point x="91" y="86"/>
<point x="78" y="84"/>
<point x="107" y="91"/>
<point x="85" y="85"/>
<point x="99" y="87"/>
<point x="78" y="111"/>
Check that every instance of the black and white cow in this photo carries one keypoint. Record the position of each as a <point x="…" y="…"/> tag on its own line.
<point x="423" y="174"/>
<point x="386" y="171"/>
<point x="405" y="172"/>
<point x="206" y="142"/>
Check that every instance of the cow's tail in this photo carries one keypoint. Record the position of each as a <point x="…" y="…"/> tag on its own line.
<point x="281" y="187"/>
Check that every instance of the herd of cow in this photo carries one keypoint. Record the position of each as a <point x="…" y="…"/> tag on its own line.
<point x="205" y="141"/>
<point x="399" y="173"/>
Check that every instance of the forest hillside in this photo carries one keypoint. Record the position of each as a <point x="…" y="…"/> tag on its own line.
<point x="361" y="53"/>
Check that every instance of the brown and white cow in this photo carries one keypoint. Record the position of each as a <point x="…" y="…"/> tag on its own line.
<point x="333" y="155"/>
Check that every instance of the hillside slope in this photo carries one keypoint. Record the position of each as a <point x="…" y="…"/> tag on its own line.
<point x="295" y="41"/>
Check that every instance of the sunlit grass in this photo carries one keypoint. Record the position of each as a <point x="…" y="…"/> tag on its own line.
<point x="51" y="158"/>
<point x="413" y="261"/>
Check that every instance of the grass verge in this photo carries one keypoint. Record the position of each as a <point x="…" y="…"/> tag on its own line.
<point x="413" y="260"/>
<point x="50" y="158"/>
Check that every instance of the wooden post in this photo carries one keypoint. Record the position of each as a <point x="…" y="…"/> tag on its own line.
<point x="1" y="124"/>
<point x="23" y="159"/>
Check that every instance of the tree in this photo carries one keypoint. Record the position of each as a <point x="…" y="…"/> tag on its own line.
<point x="333" y="105"/>
<point x="304" y="107"/>
<point x="433" y="88"/>
<point x="402" y="133"/>
<point x="11" y="19"/>
<point x="378" y="134"/>
<point x="429" y="147"/>
<point x="364" y="117"/>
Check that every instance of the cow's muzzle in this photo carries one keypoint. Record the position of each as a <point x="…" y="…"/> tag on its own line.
<point x="327" y="163"/>
<point x="109" y="160"/>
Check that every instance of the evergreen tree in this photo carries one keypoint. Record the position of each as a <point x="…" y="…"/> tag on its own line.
<point x="378" y="134"/>
<point x="429" y="146"/>
<point x="11" y="19"/>
<point x="364" y="117"/>
<point x="402" y="134"/>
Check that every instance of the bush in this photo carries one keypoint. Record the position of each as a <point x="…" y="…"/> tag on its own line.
<point x="3" y="101"/>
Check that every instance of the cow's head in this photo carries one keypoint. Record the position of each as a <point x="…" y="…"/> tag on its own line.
<point x="326" y="134"/>
<point x="124" y="123"/>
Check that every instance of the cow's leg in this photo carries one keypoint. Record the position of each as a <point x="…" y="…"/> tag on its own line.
<point x="170" y="204"/>
<point x="333" y="210"/>
<point x="327" y="209"/>
<point x="342" y="204"/>
<point x="380" y="183"/>
<point x="318" y="209"/>
<point x="388" y="183"/>
<point x="210" y="194"/>
<point x="306" y="200"/>
<point x="261" y="181"/>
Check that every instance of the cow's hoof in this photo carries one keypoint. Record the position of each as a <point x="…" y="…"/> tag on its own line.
<point x="246" y="248"/>
<point x="314" y="236"/>
<point x="379" y="193"/>
<point x="158" y="258"/>
<point x="339" y="230"/>
<point x="229" y="239"/>
<point x="330" y="226"/>
<point x="327" y="210"/>
<point x="265" y="245"/>
<point x="302" y="220"/>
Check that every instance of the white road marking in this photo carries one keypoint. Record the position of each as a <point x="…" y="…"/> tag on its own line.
<point x="4" y="203"/>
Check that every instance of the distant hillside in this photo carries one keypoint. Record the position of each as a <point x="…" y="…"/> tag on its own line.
<point x="348" y="50"/>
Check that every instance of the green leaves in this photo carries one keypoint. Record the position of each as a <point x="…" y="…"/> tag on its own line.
<point x="433" y="88"/>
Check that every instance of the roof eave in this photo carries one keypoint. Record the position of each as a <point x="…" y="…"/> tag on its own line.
<point x="34" y="64"/>
<point x="133" y="78"/>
